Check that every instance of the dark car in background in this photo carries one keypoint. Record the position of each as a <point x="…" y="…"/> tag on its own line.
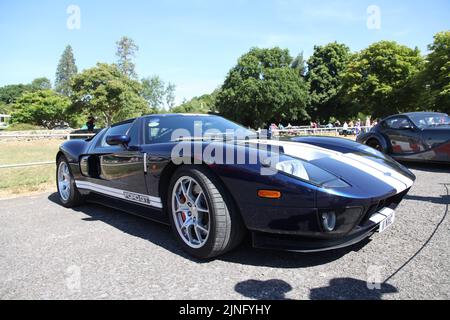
<point x="83" y="134"/>
<point x="417" y="136"/>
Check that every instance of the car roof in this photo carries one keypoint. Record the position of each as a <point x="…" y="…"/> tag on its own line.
<point x="123" y="122"/>
<point x="178" y="115"/>
<point x="422" y="113"/>
<point x="410" y="114"/>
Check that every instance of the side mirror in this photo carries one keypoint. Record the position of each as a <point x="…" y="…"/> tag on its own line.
<point x="406" y="127"/>
<point x="116" y="140"/>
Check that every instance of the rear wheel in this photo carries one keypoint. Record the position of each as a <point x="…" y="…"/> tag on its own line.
<point x="374" y="143"/>
<point x="202" y="214"/>
<point x="67" y="190"/>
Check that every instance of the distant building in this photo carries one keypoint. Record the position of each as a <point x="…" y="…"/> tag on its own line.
<point x="4" y="120"/>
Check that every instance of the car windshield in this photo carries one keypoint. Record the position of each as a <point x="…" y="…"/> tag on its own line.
<point x="163" y="129"/>
<point x="427" y="120"/>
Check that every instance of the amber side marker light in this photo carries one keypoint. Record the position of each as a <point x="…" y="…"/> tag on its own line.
<point x="269" y="194"/>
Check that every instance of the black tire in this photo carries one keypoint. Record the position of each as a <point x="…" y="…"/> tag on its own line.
<point x="375" y="144"/>
<point x="226" y="226"/>
<point x="74" y="197"/>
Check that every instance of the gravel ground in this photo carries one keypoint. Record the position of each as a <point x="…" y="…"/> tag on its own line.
<point x="49" y="252"/>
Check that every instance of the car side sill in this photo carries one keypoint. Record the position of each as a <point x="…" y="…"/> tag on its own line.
<point x="129" y="207"/>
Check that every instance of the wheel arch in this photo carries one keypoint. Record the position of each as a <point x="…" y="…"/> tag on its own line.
<point x="59" y="155"/>
<point x="381" y="140"/>
<point x="170" y="170"/>
<point x="72" y="150"/>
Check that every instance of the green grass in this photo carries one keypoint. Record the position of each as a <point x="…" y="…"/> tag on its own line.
<point x="22" y="127"/>
<point x="15" y="181"/>
<point x="12" y="152"/>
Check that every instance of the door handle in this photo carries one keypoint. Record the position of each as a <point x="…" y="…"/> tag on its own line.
<point x="145" y="162"/>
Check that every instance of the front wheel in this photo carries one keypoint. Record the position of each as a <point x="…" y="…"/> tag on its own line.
<point x="65" y="183"/>
<point x="203" y="217"/>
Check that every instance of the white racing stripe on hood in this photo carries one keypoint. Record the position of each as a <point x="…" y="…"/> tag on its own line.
<point x="300" y="150"/>
<point x="395" y="174"/>
<point x="309" y="152"/>
<point x="380" y="175"/>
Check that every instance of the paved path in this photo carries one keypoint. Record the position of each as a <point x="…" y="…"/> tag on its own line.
<point x="49" y="252"/>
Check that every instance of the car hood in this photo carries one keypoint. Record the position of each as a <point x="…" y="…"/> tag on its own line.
<point x="365" y="169"/>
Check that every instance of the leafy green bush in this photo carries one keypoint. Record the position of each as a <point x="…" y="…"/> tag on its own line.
<point x="43" y="108"/>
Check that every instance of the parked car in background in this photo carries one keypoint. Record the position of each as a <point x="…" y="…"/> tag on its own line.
<point x="62" y="127"/>
<point x="417" y="136"/>
<point x="83" y="134"/>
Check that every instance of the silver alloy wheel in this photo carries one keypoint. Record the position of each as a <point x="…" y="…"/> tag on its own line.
<point x="190" y="212"/>
<point x="64" y="180"/>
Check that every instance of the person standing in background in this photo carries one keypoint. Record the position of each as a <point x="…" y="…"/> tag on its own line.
<point x="345" y="131"/>
<point x="368" y="125"/>
<point x="90" y="124"/>
<point x="358" y="127"/>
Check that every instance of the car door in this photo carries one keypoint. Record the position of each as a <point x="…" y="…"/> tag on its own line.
<point x="403" y="136"/>
<point x="117" y="170"/>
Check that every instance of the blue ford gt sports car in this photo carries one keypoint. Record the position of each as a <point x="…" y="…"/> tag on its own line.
<point x="298" y="196"/>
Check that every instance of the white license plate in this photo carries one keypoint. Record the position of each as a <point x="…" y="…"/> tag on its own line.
<point x="385" y="218"/>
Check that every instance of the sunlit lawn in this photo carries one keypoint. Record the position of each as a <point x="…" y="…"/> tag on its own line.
<point x="15" y="181"/>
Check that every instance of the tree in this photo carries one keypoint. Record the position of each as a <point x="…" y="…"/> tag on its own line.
<point x="435" y="78"/>
<point x="299" y="65"/>
<point x="104" y="91"/>
<point x="41" y="84"/>
<point x="170" y="95"/>
<point x="157" y="94"/>
<point x="325" y="69"/>
<point x="65" y="71"/>
<point x="203" y="104"/>
<point x="153" y="92"/>
<point x="44" y="108"/>
<point x="4" y="108"/>
<point x="263" y="87"/>
<point x="10" y="93"/>
<point x="379" y="79"/>
<point x="126" y="51"/>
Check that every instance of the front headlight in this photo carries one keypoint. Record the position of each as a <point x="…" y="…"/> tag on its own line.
<point x="310" y="173"/>
<point x="294" y="168"/>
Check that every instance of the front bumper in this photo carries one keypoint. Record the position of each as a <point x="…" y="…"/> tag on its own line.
<point x="307" y="245"/>
<point x="326" y="242"/>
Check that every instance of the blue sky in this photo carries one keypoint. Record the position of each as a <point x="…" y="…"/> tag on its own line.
<point x="193" y="43"/>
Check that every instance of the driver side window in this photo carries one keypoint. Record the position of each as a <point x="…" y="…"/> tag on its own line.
<point x="397" y="123"/>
